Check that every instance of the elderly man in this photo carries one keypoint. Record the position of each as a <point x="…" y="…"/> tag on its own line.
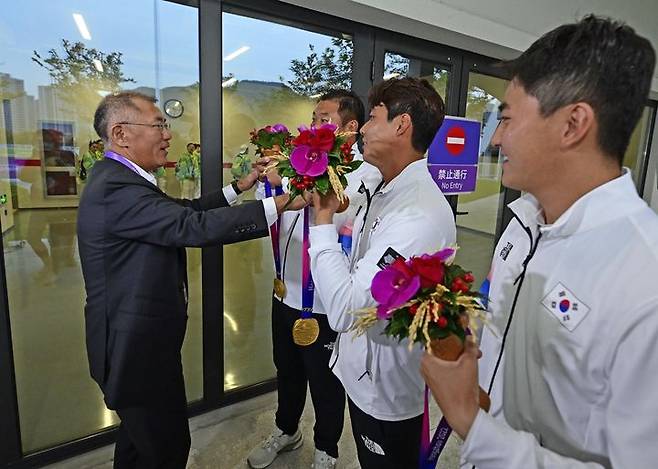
<point x="131" y="238"/>
<point x="573" y="372"/>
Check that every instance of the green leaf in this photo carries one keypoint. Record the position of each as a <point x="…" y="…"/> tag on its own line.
<point x="322" y="184"/>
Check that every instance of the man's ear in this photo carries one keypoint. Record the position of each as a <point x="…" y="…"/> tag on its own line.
<point x="118" y="136"/>
<point x="351" y="126"/>
<point x="578" y="121"/>
<point x="404" y="124"/>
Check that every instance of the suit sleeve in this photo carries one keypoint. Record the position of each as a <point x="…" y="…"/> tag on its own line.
<point x="134" y="211"/>
<point x="213" y="200"/>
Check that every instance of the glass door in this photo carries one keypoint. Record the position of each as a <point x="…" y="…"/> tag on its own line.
<point x="479" y="212"/>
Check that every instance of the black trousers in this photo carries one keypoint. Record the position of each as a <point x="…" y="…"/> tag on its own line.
<point x="295" y="367"/>
<point x="152" y="437"/>
<point x="383" y="444"/>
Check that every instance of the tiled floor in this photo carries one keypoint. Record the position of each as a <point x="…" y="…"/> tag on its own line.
<point x="222" y="439"/>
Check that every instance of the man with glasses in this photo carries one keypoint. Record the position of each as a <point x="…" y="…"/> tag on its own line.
<point x="131" y="238"/>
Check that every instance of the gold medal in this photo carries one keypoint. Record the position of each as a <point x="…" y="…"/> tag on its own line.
<point x="280" y="289"/>
<point x="305" y="331"/>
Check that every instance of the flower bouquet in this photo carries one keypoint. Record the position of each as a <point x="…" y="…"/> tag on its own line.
<point x="427" y="299"/>
<point x="271" y="139"/>
<point x="318" y="159"/>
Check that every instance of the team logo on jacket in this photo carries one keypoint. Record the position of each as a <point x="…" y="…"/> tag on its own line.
<point x="506" y="250"/>
<point x="565" y="306"/>
<point x="390" y="255"/>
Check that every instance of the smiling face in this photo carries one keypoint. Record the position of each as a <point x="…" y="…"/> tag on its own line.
<point x="529" y="141"/>
<point x="145" y="145"/>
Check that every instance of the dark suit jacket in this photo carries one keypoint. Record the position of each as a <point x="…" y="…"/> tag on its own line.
<point x="131" y="238"/>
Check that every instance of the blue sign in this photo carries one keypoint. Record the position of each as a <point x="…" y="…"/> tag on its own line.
<point x="453" y="155"/>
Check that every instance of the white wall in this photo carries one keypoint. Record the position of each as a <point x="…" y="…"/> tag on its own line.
<point x="496" y="28"/>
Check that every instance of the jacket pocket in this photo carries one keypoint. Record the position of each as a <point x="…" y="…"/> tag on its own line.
<point x="144" y="360"/>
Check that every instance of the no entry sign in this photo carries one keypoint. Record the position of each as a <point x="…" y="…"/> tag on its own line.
<point x="453" y="155"/>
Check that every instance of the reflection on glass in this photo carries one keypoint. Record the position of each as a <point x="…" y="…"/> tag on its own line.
<point x="476" y="230"/>
<point x="397" y="66"/>
<point x="276" y="78"/>
<point x="51" y="80"/>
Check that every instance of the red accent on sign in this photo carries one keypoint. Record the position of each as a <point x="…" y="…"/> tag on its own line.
<point x="456" y="147"/>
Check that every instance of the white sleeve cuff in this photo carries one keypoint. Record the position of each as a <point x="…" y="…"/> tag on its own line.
<point x="230" y="195"/>
<point x="270" y="210"/>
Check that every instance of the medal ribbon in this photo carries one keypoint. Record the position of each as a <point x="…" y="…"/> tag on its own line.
<point x="308" y="288"/>
<point x="274" y="229"/>
<point x="430" y="451"/>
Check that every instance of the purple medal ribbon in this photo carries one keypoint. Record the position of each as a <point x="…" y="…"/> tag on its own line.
<point x="430" y="451"/>
<point x="274" y="229"/>
<point x="121" y="159"/>
<point x="308" y="288"/>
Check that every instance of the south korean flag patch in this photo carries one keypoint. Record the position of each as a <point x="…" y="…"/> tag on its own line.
<point x="565" y="306"/>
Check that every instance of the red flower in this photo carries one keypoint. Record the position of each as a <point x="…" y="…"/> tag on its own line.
<point x="401" y="266"/>
<point x="321" y="139"/>
<point x="304" y="138"/>
<point x="324" y="139"/>
<point x="468" y="277"/>
<point x="458" y="285"/>
<point x="429" y="269"/>
<point x="413" y="309"/>
<point x="442" y="322"/>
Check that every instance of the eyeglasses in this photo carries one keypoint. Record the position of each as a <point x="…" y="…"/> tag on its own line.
<point x="162" y="125"/>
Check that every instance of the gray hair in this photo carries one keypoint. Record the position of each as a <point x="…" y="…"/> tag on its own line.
<point x="114" y="105"/>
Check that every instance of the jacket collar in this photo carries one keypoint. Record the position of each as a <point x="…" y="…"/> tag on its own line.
<point x="610" y="201"/>
<point x="408" y="176"/>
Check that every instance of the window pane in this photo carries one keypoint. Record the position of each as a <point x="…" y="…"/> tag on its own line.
<point x="46" y="117"/>
<point x="476" y="230"/>
<point x="272" y="73"/>
<point x="396" y="65"/>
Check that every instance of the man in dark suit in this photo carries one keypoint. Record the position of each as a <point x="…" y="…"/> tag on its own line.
<point x="131" y="238"/>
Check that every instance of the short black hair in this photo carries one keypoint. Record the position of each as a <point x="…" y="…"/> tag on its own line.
<point x="598" y="61"/>
<point x="350" y="106"/>
<point x="112" y="104"/>
<point x="416" y="97"/>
